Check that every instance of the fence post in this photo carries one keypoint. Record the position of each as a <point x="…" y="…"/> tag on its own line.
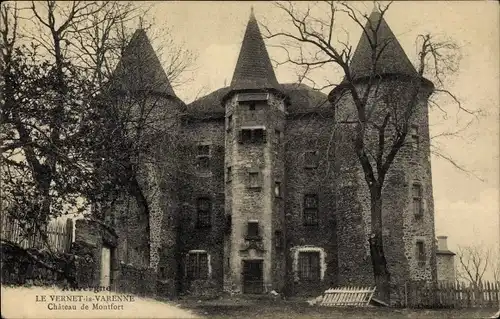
<point x="69" y="234"/>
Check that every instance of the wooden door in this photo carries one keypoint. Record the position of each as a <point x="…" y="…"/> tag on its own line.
<point x="253" y="277"/>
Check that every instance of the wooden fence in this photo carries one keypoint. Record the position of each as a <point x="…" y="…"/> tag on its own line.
<point x="59" y="235"/>
<point x="347" y="296"/>
<point x="451" y="295"/>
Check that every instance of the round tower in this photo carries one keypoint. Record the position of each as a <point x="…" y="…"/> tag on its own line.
<point x="142" y="91"/>
<point x="255" y="115"/>
<point x="408" y="209"/>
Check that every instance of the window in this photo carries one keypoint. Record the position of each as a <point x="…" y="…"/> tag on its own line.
<point x="229" y="123"/>
<point x="311" y="209"/>
<point x="278" y="237"/>
<point x="251" y="106"/>
<point x="415" y="143"/>
<point x="228" y="173"/>
<point x="204" y="212"/>
<point x="253" y="230"/>
<point x="309" y="266"/>
<point x="254" y="180"/>
<point x="256" y="135"/>
<point x="277" y="189"/>
<point x="420" y="253"/>
<point x="277" y="134"/>
<point x="197" y="265"/>
<point x="311" y="159"/>
<point x="162" y="273"/>
<point x="246" y="136"/>
<point x="417" y="199"/>
<point x="228" y="223"/>
<point x="204" y="150"/>
<point x="203" y="157"/>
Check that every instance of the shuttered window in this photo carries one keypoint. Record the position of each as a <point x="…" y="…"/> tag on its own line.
<point x="309" y="268"/>
<point x="197" y="265"/>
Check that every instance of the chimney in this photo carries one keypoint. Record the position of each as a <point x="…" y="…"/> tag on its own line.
<point x="442" y="243"/>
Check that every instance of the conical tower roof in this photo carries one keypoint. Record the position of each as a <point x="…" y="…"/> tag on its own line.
<point x="140" y="69"/>
<point x="253" y="70"/>
<point x="392" y="60"/>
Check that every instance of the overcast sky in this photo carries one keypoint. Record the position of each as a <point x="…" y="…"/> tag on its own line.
<point x="466" y="208"/>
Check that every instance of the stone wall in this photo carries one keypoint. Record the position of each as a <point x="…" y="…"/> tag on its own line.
<point x="79" y="267"/>
<point x="146" y="220"/>
<point x="445" y="267"/>
<point x="245" y="203"/>
<point x="93" y="235"/>
<point x="73" y="269"/>
<point x="139" y="281"/>
<point x="311" y="132"/>
<point x="196" y="183"/>
<point x="401" y="227"/>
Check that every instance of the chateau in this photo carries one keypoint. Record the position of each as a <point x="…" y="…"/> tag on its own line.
<point x="265" y="191"/>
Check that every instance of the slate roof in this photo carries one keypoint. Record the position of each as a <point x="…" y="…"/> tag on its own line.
<point x="393" y="59"/>
<point x="253" y="69"/>
<point x="210" y="103"/>
<point x="301" y="98"/>
<point x="445" y="252"/>
<point x="140" y="69"/>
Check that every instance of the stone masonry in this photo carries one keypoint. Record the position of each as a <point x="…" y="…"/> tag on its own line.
<point x="259" y="187"/>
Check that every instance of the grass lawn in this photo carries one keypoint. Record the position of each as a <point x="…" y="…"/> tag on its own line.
<point x="269" y="309"/>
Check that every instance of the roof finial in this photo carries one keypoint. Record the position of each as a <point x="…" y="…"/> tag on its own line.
<point x="140" y="23"/>
<point x="251" y="12"/>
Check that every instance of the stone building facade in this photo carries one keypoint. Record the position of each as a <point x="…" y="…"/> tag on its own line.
<point x="264" y="190"/>
<point x="445" y="261"/>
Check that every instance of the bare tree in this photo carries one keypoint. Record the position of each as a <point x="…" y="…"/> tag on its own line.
<point x="496" y="270"/>
<point x="383" y="114"/>
<point x="55" y="81"/>
<point x="72" y="140"/>
<point x="474" y="262"/>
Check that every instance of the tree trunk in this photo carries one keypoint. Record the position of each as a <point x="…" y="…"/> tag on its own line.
<point x="379" y="263"/>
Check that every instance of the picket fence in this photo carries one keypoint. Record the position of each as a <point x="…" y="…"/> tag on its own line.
<point x="347" y="296"/>
<point x="59" y="235"/>
<point x="452" y="295"/>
